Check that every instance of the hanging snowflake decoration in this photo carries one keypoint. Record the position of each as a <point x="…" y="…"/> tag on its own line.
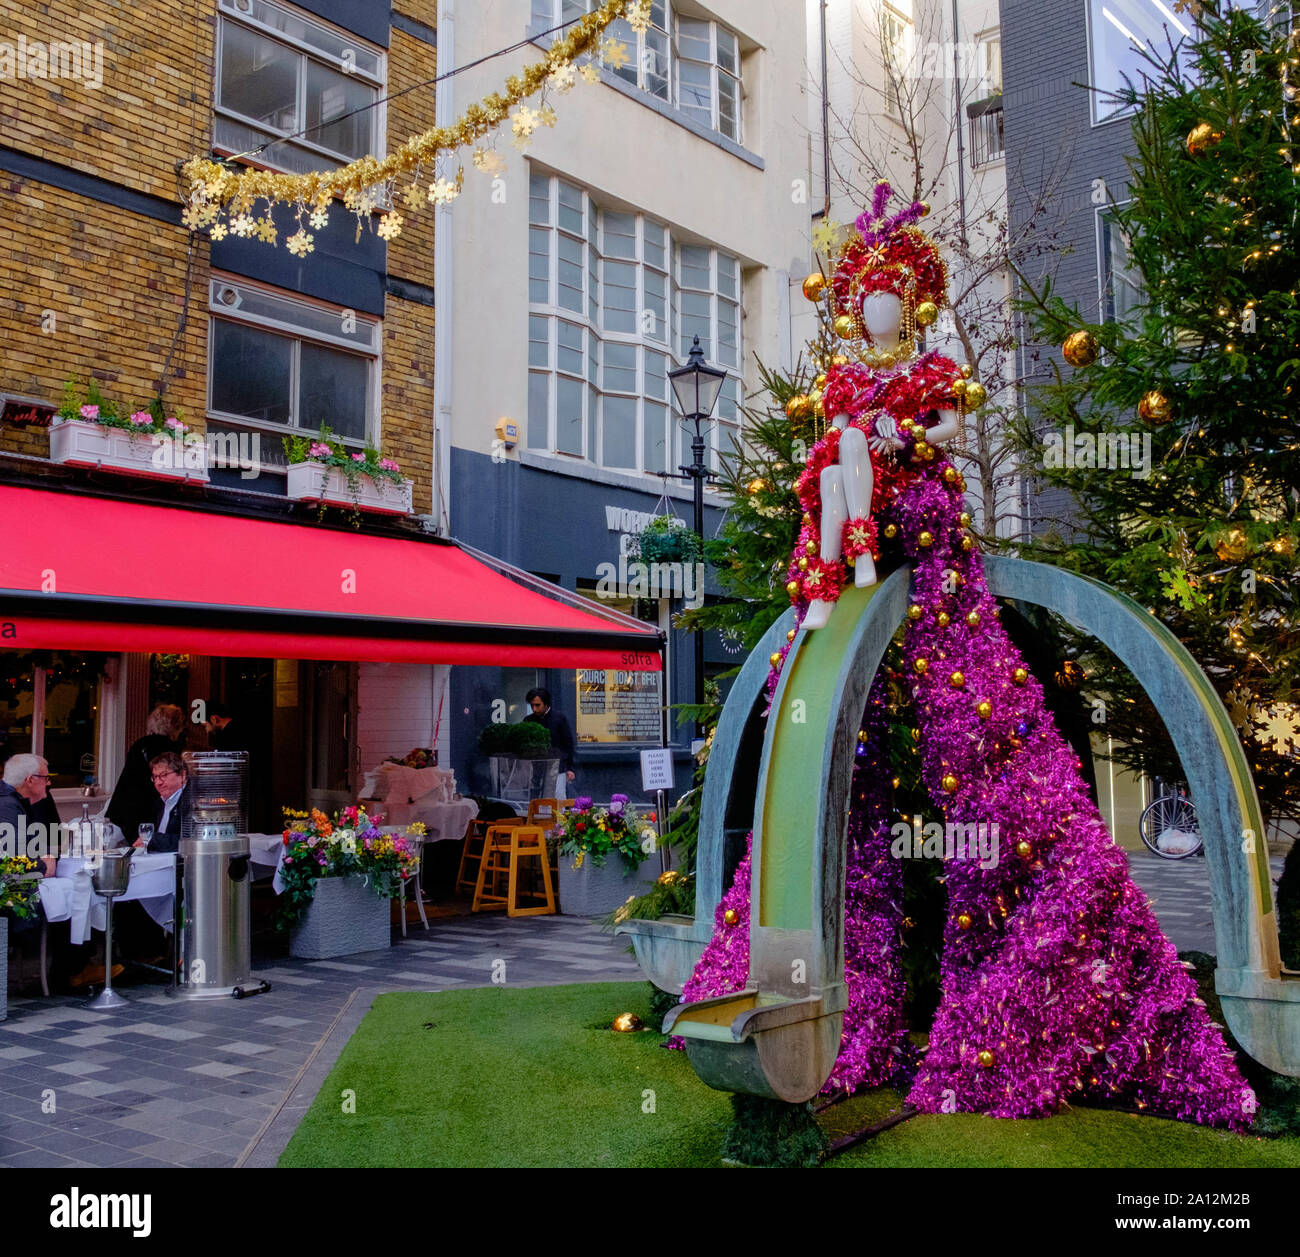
<point x="444" y="191"/>
<point x="320" y="218"/>
<point x="266" y="231"/>
<point x="562" y="78"/>
<point x="826" y="235"/>
<point x="489" y="161"/>
<point x="300" y="243"/>
<point x="218" y="231"/>
<point x="638" y="16"/>
<point x="414" y="197"/>
<point x="615" y="53"/>
<point x="243" y="225"/>
<point x="390" y="226"/>
<point x="590" y="72"/>
<point x="524" y="123"/>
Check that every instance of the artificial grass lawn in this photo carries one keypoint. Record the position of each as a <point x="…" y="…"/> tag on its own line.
<point x="533" y="1077"/>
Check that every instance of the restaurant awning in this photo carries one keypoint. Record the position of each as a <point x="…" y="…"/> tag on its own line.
<point x="86" y="572"/>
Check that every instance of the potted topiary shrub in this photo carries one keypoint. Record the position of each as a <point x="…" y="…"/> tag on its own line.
<point x="520" y="760"/>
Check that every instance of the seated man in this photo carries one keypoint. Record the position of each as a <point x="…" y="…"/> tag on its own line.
<point x="25" y="784"/>
<point x="173" y="807"/>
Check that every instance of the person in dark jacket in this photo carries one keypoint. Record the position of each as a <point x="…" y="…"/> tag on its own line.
<point x="172" y="801"/>
<point x="561" y="735"/>
<point x="134" y="798"/>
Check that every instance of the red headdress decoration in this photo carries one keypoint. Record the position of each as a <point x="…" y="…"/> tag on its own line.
<point x="889" y="255"/>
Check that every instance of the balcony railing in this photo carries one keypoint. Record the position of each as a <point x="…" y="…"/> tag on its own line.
<point x="986" y="142"/>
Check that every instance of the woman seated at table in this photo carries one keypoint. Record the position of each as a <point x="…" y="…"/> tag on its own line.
<point x="172" y="808"/>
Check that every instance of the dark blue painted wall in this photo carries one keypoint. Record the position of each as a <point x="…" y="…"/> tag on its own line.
<point x="555" y="526"/>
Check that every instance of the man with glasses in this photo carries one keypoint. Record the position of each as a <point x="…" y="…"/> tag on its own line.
<point x="173" y="805"/>
<point x="26" y="782"/>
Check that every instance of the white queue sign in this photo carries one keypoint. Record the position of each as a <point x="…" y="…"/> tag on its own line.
<point x="657" y="769"/>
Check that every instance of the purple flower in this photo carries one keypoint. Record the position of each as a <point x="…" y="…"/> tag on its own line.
<point x="582" y="804"/>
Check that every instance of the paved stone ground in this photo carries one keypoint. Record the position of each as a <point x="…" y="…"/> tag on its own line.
<point x="171" y="1082"/>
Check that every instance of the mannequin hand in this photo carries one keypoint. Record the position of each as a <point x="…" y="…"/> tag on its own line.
<point x="886" y="437"/>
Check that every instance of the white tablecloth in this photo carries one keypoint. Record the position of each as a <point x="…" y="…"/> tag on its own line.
<point x="446" y="822"/>
<point x="70" y="896"/>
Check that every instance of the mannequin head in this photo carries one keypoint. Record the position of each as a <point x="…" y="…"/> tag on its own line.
<point x="882" y="316"/>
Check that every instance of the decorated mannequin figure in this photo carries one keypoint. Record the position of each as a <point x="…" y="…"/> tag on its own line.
<point x="890" y="408"/>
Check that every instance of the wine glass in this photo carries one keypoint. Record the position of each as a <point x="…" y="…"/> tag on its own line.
<point x="146" y="833"/>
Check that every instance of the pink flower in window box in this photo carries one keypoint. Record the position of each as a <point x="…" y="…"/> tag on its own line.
<point x="90" y="412"/>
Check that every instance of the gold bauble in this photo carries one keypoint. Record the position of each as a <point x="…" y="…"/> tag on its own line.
<point x="799" y="407"/>
<point x="949" y="474"/>
<point x="1020" y="676"/>
<point x="957" y="680"/>
<point x="895" y="782"/>
<point x="756" y="486"/>
<point x="886" y="358"/>
<point x="669" y="877"/>
<point x="1024" y="850"/>
<point x="944" y="619"/>
<point x="1233" y="546"/>
<point x="891" y="530"/>
<point x="803" y="563"/>
<point x="927" y="314"/>
<point x="790" y="634"/>
<point x="986" y="1058"/>
<point x="984" y="710"/>
<point x="1071" y="675"/>
<point x="1155" y="408"/>
<point x="922" y="665"/>
<point x="965" y="921"/>
<point x="926" y="538"/>
<point x="807" y="520"/>
<point x="916" y="735"/>
<point x="731" y="916"/>
<point x="925" y="208"/>
<point x="1080" y="349"/>
<point x="792" y="588"/>
<point x="820" y="381"/>
<point x="973" y="619"/>
<point x="967" y="543"/>
<point x="976" y="394"/>
<point x="923" y="449"/>
<point x="843" y="326"/>
<point x="814" y="286"/>
<point x="862" y="735"/>
<point x="928" y="453"/>
<point x="964" y="519"/>
<point x="950" y="783"/>
<point x="915" y="611"/>
<point x="625" y="1023"/>
<point x="810" y="548"/>
<point x="775" y="659"/>
<point x="1201" y="137"/>
<point x="959" y="388"/>
<point x="967" y="371"/>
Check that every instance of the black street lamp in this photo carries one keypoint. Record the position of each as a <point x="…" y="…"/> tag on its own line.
<point x="696" y="388"/>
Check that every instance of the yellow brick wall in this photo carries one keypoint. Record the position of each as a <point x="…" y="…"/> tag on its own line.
<point x="113" y="285"/>
<point x="155" y="104"/>
<point x="115" y="280"/>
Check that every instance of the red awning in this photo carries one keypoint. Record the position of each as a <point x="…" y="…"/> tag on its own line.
<point x="82" y="572"/>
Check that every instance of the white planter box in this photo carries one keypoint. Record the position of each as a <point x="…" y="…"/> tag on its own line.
<point x="312" y="482"/>
<point x="84" y="443"/>
<point x="345" y="916"/>
<point x="593" y="892"/>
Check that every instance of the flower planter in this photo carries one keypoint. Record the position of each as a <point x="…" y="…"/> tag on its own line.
<point x="4" y="967"/>
<point x="345" y="916"/>
<point x="84" y="443"/>
<point x="593" y="892"/>
<point x="519" y="780"/>
<point x="315" y="482"/>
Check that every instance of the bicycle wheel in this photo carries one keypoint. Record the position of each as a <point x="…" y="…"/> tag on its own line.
<point x="1169" y="827"/>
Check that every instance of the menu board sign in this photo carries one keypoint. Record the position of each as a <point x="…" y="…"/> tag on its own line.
<point x="618" y="706"/>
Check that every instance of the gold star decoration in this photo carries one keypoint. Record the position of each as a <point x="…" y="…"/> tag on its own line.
<point x="562" y="78"/>
<point x="524" y="122"/>
<point x="813" y="579"/>
<point x="590" y="72"/>
<point x="390" y="225"/>
<point x="638" y="16"/>
<point x="300" y="243"/>
<point x="615" y="54"/>
<point x="414" y="196"/>
<point x="826" y="235"/>
<point x="489" y="161"/>
<point x="242" y="225"/>
<point x="876" y="256"/>
<point x="858" y="535"/>
<point x="266" y="231"/>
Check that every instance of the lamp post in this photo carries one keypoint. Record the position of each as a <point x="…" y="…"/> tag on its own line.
<point x="696" y="388"/>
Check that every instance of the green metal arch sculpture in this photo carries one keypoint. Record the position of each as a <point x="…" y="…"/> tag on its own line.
<point x="779" y="1035"/>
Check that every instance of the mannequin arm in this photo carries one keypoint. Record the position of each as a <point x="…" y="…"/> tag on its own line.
<point x="949" y="426"/>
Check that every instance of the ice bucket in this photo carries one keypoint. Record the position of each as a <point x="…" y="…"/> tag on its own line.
<point x="110" y="871"/>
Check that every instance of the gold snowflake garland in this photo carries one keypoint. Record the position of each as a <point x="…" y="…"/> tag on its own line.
<point x="217" y="191"/>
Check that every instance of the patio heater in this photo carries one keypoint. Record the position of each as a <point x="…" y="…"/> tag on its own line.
<point x="214" y="914"/>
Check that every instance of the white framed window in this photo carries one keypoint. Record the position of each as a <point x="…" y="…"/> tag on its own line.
<point x="1119" y="281"/>
<point x="895" y="32"/>
<point x="278" y="364"/>
<point x="598" y="385"/>
<point x="280" y="72"/>
<point x="692" y="63"/>
<point x="988" y="49"/>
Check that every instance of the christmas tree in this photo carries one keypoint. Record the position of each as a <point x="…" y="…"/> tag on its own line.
<point x="1175" y="427"/>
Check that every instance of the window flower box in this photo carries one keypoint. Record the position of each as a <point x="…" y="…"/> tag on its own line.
<point x="88" y="443"/>
<point x="318" y="482"/>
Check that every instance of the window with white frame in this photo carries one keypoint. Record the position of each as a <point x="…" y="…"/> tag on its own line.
<point x="893" y="55"/>
<point x="280" y="73"/>
<point x="1122" y="289"/>
<point x="988" y="47"/>
<point x="598" y="385"/>
<point x="690" y="61"/>
<point x="277" y="362"/>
